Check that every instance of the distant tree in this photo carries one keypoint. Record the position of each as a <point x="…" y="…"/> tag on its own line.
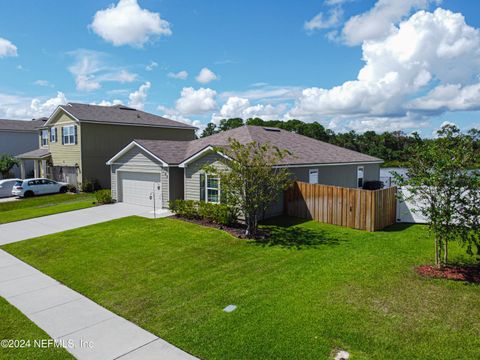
<point x="7" y="162"/>
<point x="438" y="178"/>
<point x="250" y="181"/>
<point x="209" y="130"/>
<point x="229" y="124"/>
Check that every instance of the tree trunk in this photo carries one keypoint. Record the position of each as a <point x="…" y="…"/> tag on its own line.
<point x="437" y="252"/>
<point x="445" y="252"/>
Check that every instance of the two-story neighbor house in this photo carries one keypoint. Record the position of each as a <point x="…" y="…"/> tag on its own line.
<point x="18" y="136"/>
<point x="77" y="140"/>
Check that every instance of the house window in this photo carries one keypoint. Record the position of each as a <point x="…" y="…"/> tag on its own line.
<point x="69" y="135"/>
<point x="44" y="137"/>
<point x="313" y="176"/>
<point x="209" y="188"/>
<point x="213" y="189"/>
<point x="53" y="135"/>
<point x="360" y="175"/>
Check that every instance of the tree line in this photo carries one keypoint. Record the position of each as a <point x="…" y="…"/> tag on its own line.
<point x="391" y="146"/>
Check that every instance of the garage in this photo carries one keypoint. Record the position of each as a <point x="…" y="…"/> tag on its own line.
<point x="136" y="187"/>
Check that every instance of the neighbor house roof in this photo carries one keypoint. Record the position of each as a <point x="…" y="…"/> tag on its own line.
<point x="118" y="114"/>
<point x="34" y="154"/>
<point x="304" y="150"/>
<point x="22" y="125"/>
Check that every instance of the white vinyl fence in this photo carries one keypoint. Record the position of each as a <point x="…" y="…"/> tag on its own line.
<point x="405" y="209"/>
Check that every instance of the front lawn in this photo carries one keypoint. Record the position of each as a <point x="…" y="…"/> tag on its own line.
<point x="315" y="288"/>
<point x="43" y="205"/>
<point x="16" y="326"/>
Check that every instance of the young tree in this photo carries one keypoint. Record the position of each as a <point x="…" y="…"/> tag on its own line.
<point x="438" y="178"/>
<point x="250" y="181"/>
<point x="7" y="162"/>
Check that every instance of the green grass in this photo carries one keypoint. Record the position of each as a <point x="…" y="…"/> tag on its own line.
<point x="43" y="205"/>
<point x="313" y="288"/>
<point x="16" y="326"/>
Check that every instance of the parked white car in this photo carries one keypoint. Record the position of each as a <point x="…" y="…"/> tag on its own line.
<point x="39" y="186"/>
<point x="6" y="187"/>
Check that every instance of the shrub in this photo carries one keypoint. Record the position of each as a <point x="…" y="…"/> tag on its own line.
<point x="215" y="213"/>
<point x="87" y="186"/>
<point x="373" y="185"/>
<point x="104" y="196"/>
<point x="71" y="188"/>
<point x="185" y="208"/>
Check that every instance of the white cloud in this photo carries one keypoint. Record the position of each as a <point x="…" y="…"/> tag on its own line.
<point x="319" y="21"/>
<point x="378" y="21"/>
<point x="90" y="70"/>
<point x="44" y="83"/>
<point x="428" y="49"/>
<point x="137" y="98"/>
<point x="449" y="97"/>
<point x="263" y="91"/>
<point x="205" y="76"/>
<point x="241" y="107"/>
<point x="196" y="102"/>
<point x="20" y="107"/>
<point x="174" y="114"/>
<point x="7" y="48"/>
<point x="151" y="66"/>
<point x="336" y="2"/>
<point x="128" y="24"/>
<point x="108" y="103"/>
<point x="181" y="75"/>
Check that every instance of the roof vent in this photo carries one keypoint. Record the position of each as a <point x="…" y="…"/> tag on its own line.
<point x="271" y="129"/>
<point x="122" y="107"/>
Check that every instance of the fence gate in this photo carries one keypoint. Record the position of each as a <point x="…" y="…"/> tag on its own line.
<point x="355" y="208"/>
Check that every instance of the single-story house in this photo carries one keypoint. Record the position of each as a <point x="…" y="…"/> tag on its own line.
<point x="19" y="136"/>
<point x="174" y="169"/>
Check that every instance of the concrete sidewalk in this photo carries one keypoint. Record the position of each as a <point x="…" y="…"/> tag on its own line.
<point x="45" y="225"/>
<point x="88" y="330"/>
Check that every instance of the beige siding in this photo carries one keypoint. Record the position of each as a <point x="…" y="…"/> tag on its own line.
<point x="65" y="155"/>
<point x="337" y="175"/>
<point x="138" y="161"/>
<point x="193" y="171"/>
<point x="101" y="142"/>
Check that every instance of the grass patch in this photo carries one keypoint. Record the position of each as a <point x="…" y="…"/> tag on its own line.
<point x="339" y="289"/>
<point x="43" y="205"/>
<point x="16" y="326"/>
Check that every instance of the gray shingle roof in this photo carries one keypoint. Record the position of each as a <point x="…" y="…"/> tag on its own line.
<point x="304" y="150"/>
<point x="34" y="154"/>
<point x="22" y="125"/>
<point x="119" y="114"/>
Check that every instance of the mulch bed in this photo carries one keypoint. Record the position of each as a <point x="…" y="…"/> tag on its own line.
<point x="237" y="231"/>
<point x="460" y="273"/>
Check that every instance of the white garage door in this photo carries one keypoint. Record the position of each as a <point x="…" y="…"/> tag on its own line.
<point x="136" y="187"/>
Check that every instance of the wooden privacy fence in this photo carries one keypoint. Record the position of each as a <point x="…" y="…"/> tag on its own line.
<point x="355" y="208"/>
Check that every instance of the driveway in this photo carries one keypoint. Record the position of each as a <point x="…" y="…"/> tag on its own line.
<point x="26" y="229"/>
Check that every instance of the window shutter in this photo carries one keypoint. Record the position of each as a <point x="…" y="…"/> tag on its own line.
<point x="56" y="135"/>
<point x="63" y="135"/>
<point x="76" y="142"/>
<point x="202" y="187"/>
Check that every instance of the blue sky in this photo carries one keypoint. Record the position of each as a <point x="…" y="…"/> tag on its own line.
<point x="273" y="59"/>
